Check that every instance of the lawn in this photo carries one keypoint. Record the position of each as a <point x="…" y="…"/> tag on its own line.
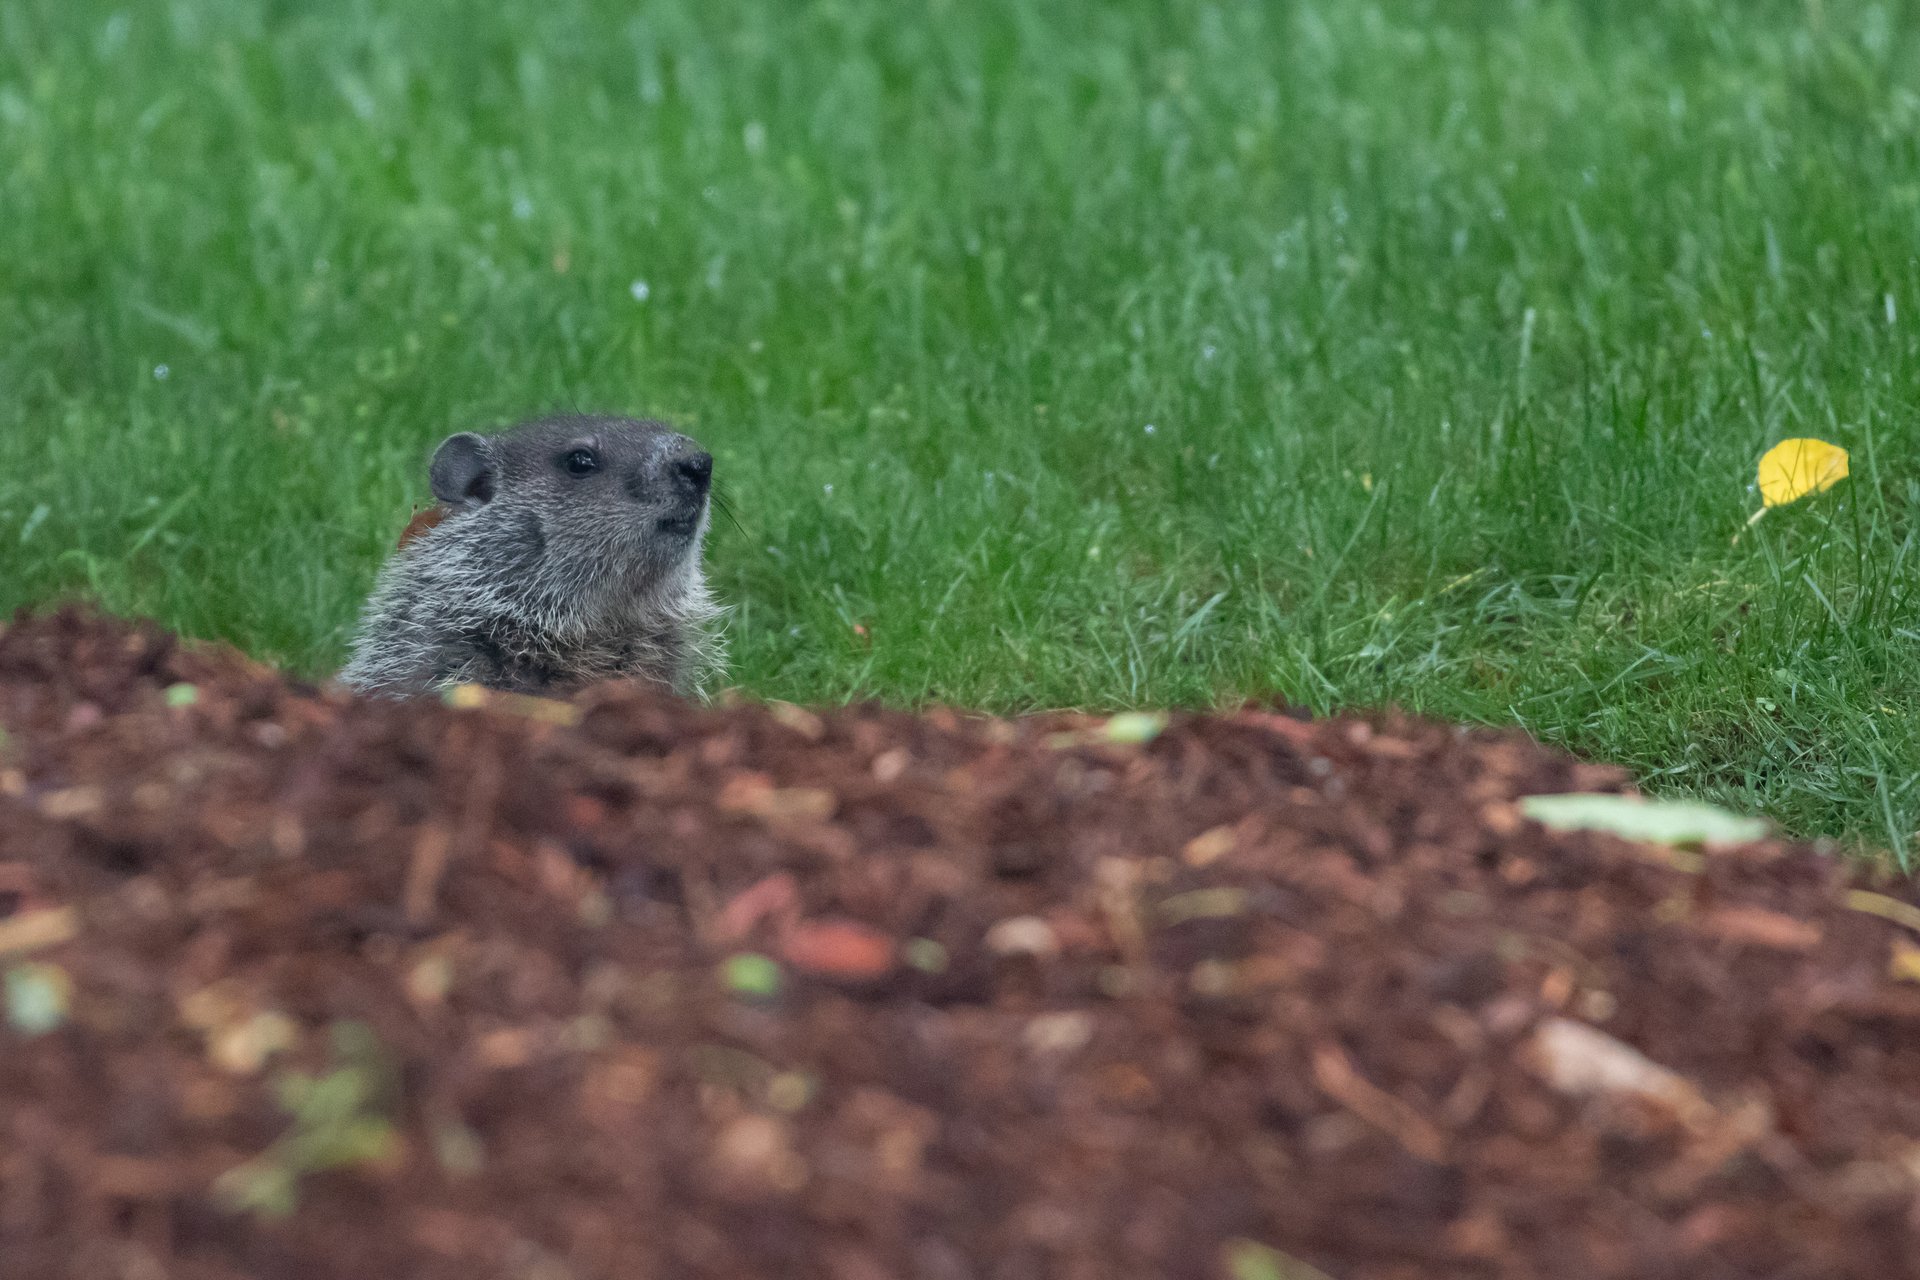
<point x="1067" y="354"/>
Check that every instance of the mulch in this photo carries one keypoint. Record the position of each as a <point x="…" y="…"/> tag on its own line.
<point x="304" y="986"/>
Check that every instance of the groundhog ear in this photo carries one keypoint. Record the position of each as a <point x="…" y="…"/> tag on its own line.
<point x="462" y="471"/>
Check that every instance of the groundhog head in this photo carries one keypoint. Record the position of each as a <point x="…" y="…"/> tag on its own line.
<point x="596" y="498"/>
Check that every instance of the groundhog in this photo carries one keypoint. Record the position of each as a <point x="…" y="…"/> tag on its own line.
<point x="565" y="551"/>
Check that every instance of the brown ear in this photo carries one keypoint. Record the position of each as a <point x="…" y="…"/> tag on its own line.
<point x="421" y="522"/>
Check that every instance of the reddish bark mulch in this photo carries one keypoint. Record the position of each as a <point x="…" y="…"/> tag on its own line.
<point x="673" y="992"/>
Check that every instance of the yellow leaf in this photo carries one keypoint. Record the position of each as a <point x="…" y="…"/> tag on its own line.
<point x="1886" y="908"/>
<point x="464" y="696"/>
<point x="1795" y="468"/>
<point x="1904" y="964"/>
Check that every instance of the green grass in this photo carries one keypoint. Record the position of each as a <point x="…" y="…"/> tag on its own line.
<point x="1085" y="353"/>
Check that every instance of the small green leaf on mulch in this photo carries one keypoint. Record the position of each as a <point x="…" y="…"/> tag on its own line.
<point x="1632" y="818"/>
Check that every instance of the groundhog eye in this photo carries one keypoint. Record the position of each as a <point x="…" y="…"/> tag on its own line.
<point x="581" y="462"/>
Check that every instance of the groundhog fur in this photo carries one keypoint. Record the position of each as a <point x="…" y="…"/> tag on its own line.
<point x="568" y="553"/>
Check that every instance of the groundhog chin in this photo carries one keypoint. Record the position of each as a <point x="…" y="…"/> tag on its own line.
<point x="683" y="526"/>
<point x="668" y="544"/>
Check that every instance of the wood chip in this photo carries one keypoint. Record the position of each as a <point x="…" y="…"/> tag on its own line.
<point x="775" y="897"/>
<point x="425" y="869"/>
<point x="1334" y="1072"/>
<point x="838" y="949"/>
<point x="1758" y="927"/>
<point x="71" y="802"/>
<point x="1023" y="935"/>
<point x="755" y="794"/>
<point x="799" y="719"/>
<point x="37" y="930"/>
<point x="1580" y="1061"/>
<point x="1209" y="847"/>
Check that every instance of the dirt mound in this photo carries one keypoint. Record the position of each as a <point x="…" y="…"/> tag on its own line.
<point x="303" y="987"/>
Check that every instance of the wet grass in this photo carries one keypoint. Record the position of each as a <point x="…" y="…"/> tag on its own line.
<point x="1076" y="354"/>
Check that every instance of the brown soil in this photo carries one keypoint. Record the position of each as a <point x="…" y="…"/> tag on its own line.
<point x="1253" y="997"/>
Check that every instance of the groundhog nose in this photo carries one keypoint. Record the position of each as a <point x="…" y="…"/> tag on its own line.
<point x="697" y="468"/>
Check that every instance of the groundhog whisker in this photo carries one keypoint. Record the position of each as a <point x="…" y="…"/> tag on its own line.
<point x="723" y="503"/>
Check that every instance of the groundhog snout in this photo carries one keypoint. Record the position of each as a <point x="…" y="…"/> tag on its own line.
<point x="681" y="479"/>
<point x="695" y="471"/>
<point x="687" y="478"/>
